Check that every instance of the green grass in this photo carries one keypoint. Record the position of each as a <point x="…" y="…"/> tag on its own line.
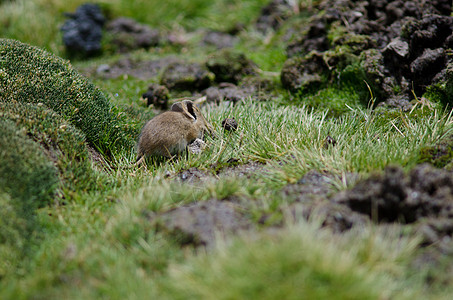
<point x="304" y="262"/>
<point x="365" y="140"/>
<point x="37" y="22"/>
<point x="85" y="231"/>
<point x="116" y="251"/>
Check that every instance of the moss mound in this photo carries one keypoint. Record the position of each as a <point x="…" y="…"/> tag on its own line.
<point x="439" y="155"/>
<point x="28" y="180"/>
<point x="64" y="145"/>
<point x="12" y="235"/>
<point x="26" y="173"/>
<point x="31" y="75"/>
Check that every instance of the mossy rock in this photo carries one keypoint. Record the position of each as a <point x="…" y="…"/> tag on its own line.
<point x="442" y="91"/>
<point x="449" y="85"/>
<point x="340" y="36"/>
<point x="230" y="66"/>
<point x="186" y="77"/>
<point x="439" y="155"/>
<point x="64" y="145"/>
<point x="31" y="75"/>
<point x="303" y="73"/>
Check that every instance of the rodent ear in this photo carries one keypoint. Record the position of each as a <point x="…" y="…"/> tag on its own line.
<point x="191" y="109"/>
<point x="177" y="107"/>
<point x="186" y="108"/>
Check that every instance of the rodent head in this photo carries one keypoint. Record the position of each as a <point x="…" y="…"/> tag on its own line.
<point x="191" y="111"/>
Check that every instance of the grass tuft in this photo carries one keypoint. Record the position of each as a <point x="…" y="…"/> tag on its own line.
<point x="305" y="260"/>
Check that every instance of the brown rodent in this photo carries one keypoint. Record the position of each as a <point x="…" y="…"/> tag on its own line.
<point x="169" y="133"/>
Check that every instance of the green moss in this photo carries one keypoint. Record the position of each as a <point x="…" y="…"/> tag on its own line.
<point x="353" y="76"/>
<point x="25" y="172"/>
<point x="64" y="144"/>
<point x="440" y="155"/>
<point x="442" y="92"/>
<point x="304" y="74"/>
<point x="334" y="100"/>
<point x="12" y="235"/>
<point x="28" y="180"/>
<point x="230" y="66"/>
<point x="31" y="75"/>
<point x="341" y="36"/>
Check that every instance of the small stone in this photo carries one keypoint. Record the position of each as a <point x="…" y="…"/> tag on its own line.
<point x="230" y="124"/>
<point x="197" y="146"/>
<point x="104" y="68"/>
<point x="186" y="77"/>
<point x="157" y="95"/>
<point x="398" y="46"/>
<point x="128" y="34"/>
<point x="429" y="63"/>
<point x="202" y="222"/>
<point x="82" y="32"/>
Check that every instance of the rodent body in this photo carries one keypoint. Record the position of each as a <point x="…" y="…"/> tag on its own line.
<point x="169" y="133"/>
<point x="166" y="135"/>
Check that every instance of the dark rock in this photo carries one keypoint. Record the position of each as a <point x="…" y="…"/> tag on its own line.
<point x="449" y="82"/>
<point x="395" y="40"/>
<point x="400" y="101"/>
<point x="431" y="31"/>
<point x="140" y="69"/>
<point x="157" y="95"/>
<point x="449" y="42"/>
<point x="426" y="66"/>
<point x="436" y="232"/>
<point x="372" y="63"/>
<point x="82" y="33"/>
<point x="225" y="92"/>
<point x="397" y="48"/>
<point x="219" y="39"/>
<point x="186" y="76"/>
<point x="304" y="72"/>
<point x="392" y="196"/>
<point x="213" y="94"/>
<point x="200" y="223"/>
<point x="230" y="66"/>
<point x="248" y="170"/>
<point x="311" y="194"/>
<point x="230" y="124"/>
<point x="193" y="175"/>
<point x="273" y="15"/>
<point x="431" y="181"/>
<point x="439" y="155"/>
<point x="380" y="197"/>
<point x="314" y="40"/>
<point x="127" y="34"/>
<point x="442" y="7"/>
<point x="229" y="169"/>
<point x="231" y="93"/>
<point x="312" y="186"/>
<point x="257" y="87"/>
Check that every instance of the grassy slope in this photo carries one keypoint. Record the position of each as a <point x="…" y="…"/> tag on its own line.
<point x="101" y="245"/>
